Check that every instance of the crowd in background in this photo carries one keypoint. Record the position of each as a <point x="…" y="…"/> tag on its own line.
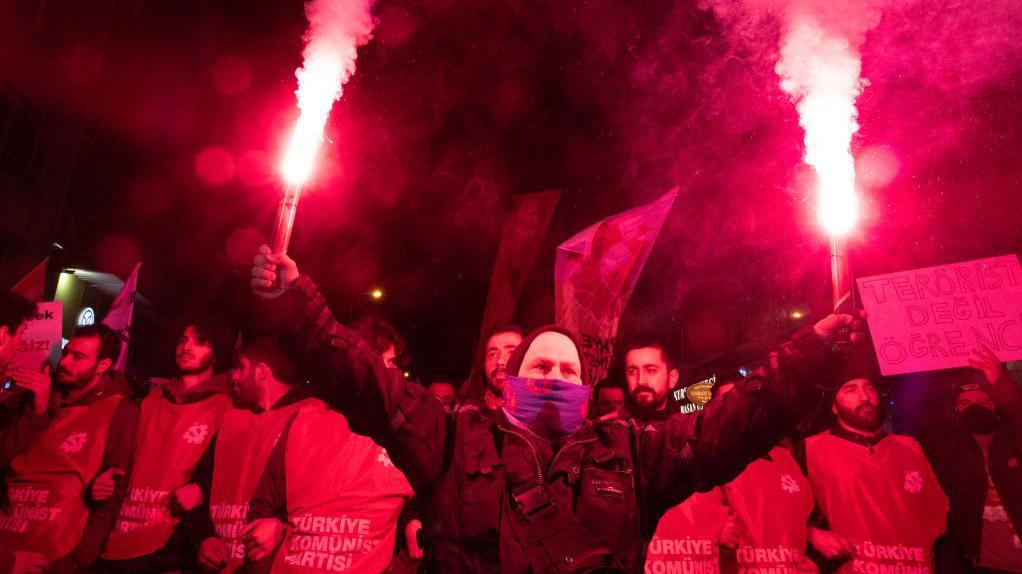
<point x="301" y="447"/>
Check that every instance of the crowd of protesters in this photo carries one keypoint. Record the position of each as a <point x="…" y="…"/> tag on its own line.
<point x="300" y="447"/>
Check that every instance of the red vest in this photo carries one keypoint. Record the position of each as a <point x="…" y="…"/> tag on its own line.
<point x="243" y="446"/>
<point x="687" y="535"/>
<point x="773" y="501"/>
<point x="344" y="497"/>
<point x="47" y="482"/>
<point x="886" y="502"/>
<point x="171" y="440"/>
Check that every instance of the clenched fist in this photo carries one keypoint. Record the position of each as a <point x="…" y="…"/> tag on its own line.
<point x="261" y="537"/>
<point x="272" y="273"/>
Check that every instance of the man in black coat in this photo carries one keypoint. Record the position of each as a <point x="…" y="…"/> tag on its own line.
<point x="977" y="457"/>
<point x="533" y="486"/>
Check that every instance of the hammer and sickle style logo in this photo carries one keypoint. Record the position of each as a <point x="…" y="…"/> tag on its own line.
<point x="75" y="442"/>
<point x="913" y="481"/>
<point x="196" y="434"/>
<point x="384" y="459"/>
<point x="789" y="485"/>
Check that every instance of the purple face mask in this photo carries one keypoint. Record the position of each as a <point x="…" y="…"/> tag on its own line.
<point x="551" y="408"/>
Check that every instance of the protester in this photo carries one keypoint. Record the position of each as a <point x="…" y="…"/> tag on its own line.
<point x="165" y="514"/>
<point x="609" y="399"/>
<point x="976" y="457"/>
<point x="384" y="339"/>
<point x="269" y="393"/>
<point x="392" y="348"/>
<point x="689" y="536"/>
<point x="445" y="390"/>
<point x="88" y="441"/>
<point x="651" y="375"/>
<point x="328" y="498"/>
<point x="25" y="392"/>
<point x="772" y="502"/>
<point x="881" y="503"/>
<point x="486" y="389"/>
<point x="19" y="424"/>
<point x="579" y="495"/>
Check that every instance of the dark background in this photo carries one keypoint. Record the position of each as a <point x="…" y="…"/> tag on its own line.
<point x="137" y="130"/>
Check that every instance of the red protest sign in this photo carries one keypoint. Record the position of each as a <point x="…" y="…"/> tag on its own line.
<point x="932" y="318"/>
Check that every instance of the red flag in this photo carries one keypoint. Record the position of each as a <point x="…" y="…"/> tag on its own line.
<point x="118" y="317"/>
<point x="33" y="285"/>
<point x="595" y="272"/>
<point x="520" y="242"/>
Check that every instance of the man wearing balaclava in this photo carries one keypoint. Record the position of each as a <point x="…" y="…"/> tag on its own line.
<point x="881" y="503"/>
<point x="534" y="486"/>
<point x="978" y="459"/>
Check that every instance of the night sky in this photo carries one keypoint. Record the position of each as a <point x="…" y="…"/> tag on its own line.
<point x="457" y="105"/>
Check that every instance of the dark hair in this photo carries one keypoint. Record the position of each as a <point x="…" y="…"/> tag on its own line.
<point x="14" y="310"/>
<point x="221" y="338"/>
<point x="609" y="383"/>
<point x="475" y="387"/>
<point x="109" y="340"/>
<point x="270" y="352"/>
<point x="502" y="328"/>
<point x="648" y="340"/>
<point x="380" y="335"/>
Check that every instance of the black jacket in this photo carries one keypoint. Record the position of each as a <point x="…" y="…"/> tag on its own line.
<point x="958" y="462"/>
<point x="615" y="477"/>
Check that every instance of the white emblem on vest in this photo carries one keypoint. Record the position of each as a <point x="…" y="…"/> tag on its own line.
<point x="196" y="434"/>
<point x="384" y="459"/>
<point x="788" y="484"/>
<point x="913" y="481"/>
<point x="74" y="442"/>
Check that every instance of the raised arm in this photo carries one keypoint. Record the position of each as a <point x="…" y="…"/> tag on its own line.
<point x="697" y="452"/>
<point x="1002" y="388"/>
<point x="348" y="374"/>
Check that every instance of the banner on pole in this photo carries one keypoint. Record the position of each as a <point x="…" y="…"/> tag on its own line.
<point x="118" y="317"/>
<point x="520" y="242"/>
<point x="33" y="285"/>
<point x="595" y="273"/>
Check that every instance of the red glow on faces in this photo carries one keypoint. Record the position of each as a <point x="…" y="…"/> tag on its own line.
<point x="231" y="75"/>
<point x="214" y="166"/>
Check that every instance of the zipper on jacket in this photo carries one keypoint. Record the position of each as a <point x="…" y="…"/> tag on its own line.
<point x="570" y="444"/>
<point x="532" y="447"/>
<point x="535" y="454"/>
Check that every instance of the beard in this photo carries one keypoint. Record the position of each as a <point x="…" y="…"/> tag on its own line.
<point x="64" y="378"/>
<point x="193" y="369"/>
<point x="864" y="417"/>
<point x="495" y="381"/>
<point x="246" y="393"/>
<point x="645" y="398"/>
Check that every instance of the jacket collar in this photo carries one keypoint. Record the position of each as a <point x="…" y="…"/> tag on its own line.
<point x="175" y="393"/>
<point x="866" y="441"/>
<point x="112" y="383"/>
